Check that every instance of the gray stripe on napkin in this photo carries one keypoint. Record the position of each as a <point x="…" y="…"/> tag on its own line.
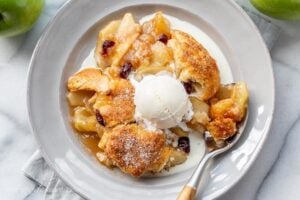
<point x="37" y="170"/>
<point x="59" y="190"/>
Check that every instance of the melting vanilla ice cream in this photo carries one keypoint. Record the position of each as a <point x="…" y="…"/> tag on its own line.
<point x="161" y="101"/>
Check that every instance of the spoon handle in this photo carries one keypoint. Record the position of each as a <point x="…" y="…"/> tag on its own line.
<point x="189" y="190"/>
<point x="187" y="193"/>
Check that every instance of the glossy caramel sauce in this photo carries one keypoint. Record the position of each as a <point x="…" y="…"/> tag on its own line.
<point x="90" y="142"/>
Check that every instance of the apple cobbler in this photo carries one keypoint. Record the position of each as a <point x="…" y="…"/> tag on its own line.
<point x="151" y="88"/>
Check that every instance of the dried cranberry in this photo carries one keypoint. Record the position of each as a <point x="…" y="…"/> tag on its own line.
<point x="163" y="38"/>
<point x="99" y="118"/>
<point x="125" y="70"/>
<point x="188" y="86"/>
<point x="231" y="139"/>
<point x="184" y="144"/>
<point x="209" y="140"/>
<point x="106" y="45"/>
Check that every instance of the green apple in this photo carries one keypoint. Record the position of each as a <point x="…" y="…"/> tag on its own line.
<point x="18" y="16"/>
<point x="280" y="9"/>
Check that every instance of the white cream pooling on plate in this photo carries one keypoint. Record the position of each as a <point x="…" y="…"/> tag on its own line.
<point x="89" y="61"/>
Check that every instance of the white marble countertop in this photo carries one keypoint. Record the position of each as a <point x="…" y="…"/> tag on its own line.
<point x="281" y="181"/>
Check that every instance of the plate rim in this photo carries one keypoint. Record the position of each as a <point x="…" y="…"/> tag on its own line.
<point x="215" y="194"/>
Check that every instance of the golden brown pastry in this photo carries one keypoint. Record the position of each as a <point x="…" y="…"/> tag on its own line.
<point x="135" y="150"/>
<point x="194" y="64"/>
<point x="90" y="79"/>
<point x="222" y="128"/>
<point x="117" y="106"/>
<point x="225" y="113"/>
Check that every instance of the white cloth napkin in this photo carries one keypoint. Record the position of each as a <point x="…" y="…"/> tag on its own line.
<point x="38" y="171"/>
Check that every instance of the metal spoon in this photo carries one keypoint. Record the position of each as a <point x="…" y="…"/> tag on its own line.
<point x="190" y="189"/>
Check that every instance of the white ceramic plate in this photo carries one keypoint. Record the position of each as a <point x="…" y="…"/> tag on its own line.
<point x="69" y="38"/>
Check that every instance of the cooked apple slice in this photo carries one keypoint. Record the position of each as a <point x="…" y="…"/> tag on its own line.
<point x="233" y="107"/>
<point x="162" y="55"/>
<point x="177" y="157"/>
<point x="106" y="34"/>
<point x="143" y="53"/>
<point x="142" y="71"/>
<point x="139" y="54"/>
<point x="115" y="40"/>
<point x="84" y="121"/>
<point x="224" y="92"/>
<point x="179" y="132"/>
<point x="126" y="34"/>
<point x="201" y="110"/>
<point x="158" y="26"/>
<point x="149" y="49"/>
<point x="227" y="112"/>
<point x="240" y="96"/>
<point x="78" y="98"/>
<point x="101" y="156"/>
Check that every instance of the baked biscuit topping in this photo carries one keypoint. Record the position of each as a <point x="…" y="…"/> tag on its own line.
<point x="227" y="110"/>
<point x="135" y="150"/>
<point x="117" y="106"/>
<point x="90" y="79"/>
<point x="194" y="64"/>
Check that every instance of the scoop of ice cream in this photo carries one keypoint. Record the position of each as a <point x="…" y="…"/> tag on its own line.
<point x="161" y="100"/>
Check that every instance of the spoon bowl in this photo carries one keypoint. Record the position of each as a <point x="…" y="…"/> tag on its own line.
<point x="212" y="149"/>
